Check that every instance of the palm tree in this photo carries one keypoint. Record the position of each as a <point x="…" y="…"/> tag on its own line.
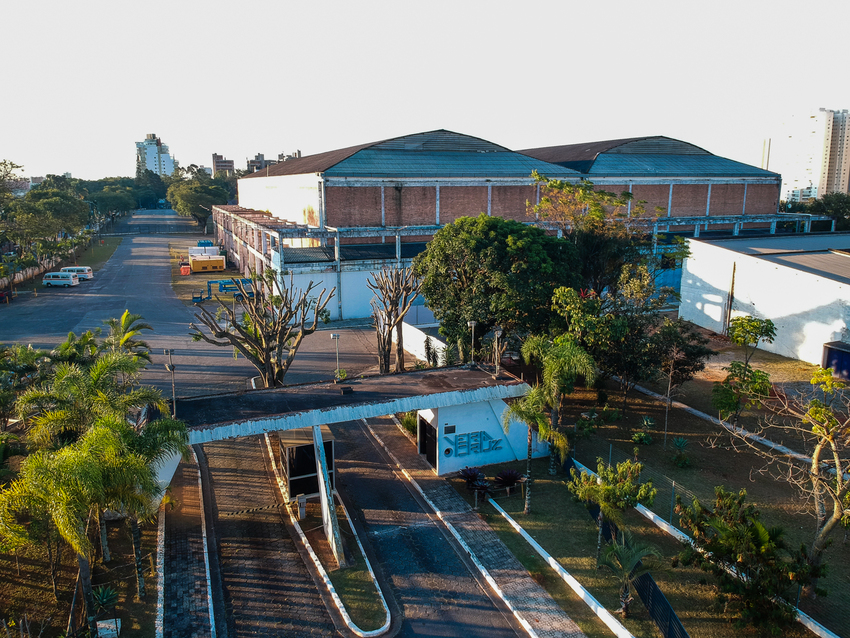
<point x="628" y="560"/>
<point x="123" y="335"/>
<point x="562" y="361"/>
<point x="66" y="486"/>
<point x="81" y="350"/>
<point x="64" y="407"/>
<point x="530" y="411"/>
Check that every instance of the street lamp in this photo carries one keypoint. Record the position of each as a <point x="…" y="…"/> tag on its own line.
<point x="498" y="333"/>
<point x="170" y="367"/>
<point x="472" y="325"/>
<point x="335" y="337"/>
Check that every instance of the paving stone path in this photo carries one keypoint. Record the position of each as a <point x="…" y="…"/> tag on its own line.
<point x="434" y="588"/>
<point x="267" y="589"/>
<point x="531" y="601"/>
<point x="185" y="612"/>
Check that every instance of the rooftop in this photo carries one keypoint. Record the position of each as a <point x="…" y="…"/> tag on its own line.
<point x="433" y="154"/>
<point x="644" y="156"/>
<point x="823" y="254"/>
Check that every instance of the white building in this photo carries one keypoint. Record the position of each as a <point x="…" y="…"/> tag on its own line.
<point x="800" y="282"/>
<point x="153" y="155"/>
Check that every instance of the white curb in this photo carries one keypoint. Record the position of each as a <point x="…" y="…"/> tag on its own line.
<point x="320" y="568"/>
<point x="206" y="554"/>
<point x="160" y="573"/>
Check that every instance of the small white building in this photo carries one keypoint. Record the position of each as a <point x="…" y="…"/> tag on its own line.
<point x="800" y="282"/>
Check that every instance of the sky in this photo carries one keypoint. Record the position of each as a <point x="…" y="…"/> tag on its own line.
<point x="86" y="80"/>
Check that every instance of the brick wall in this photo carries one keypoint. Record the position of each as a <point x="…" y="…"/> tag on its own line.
<point x="510" y="201"/>
<point x="462" y="201"/>
<point x="762" y="199"/>
<point x="689" y="200"/>
<point x="727" y="199"/>
<point x="353" y="206"/>
<point x="655" y="195"/>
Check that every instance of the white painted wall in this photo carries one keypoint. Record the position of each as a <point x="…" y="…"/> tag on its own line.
<point x="414" y="341"/>
<point x="479" y="438"/>
<point x="806" y="309"/>
<point x="284" y="196"/>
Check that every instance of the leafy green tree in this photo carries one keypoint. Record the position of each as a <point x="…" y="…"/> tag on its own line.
<point x="600" y="224"/>
<point x="562" y="361"/>
<point x="82" y="350"/>
<point x="744" y="385"/>
<point x="530" y="410"/>
<point x="67" y="213"/>
<point x="617" y="329"/>
<point x="195" y="198"/>
<point x="752" y="562"/>
<point x="629" y="559"/>
<point x="834" y="204"/>
<point x="8" y="175"/>
<point x="275" y="318"/>
<point x="613" y="490"/>
<point x="493" y="271"/>
<point x="149" y="180"/>
<point x="114" y="201"/>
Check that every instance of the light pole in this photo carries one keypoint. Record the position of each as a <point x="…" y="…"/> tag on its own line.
<point x="335" y="337"/>
<point x="472" y="325"/>
<point x="498" y="333"/>
<point x="170" y="367"/>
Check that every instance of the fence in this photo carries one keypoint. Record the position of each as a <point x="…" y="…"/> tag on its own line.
<point x="653" y="598"/>
<point x="665" y="500"/>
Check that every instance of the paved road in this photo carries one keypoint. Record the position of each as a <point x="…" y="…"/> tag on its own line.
<point x="437" y="592"/>
<point x="138" y="278"/>
<point x="267" y="589"/>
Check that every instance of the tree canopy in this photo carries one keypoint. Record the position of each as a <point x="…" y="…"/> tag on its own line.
<point x="493" y="271"/>
<point x="195" y="198"/>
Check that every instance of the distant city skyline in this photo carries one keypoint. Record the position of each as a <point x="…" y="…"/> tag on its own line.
<point x="96" y="77"/>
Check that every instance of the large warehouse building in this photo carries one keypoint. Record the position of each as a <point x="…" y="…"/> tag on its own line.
<point x="402" y="190"/>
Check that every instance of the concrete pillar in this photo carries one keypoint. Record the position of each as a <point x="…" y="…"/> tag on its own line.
<point x="670" y="202"/>
<point x="773" y="228"/>
<point x="489" y="199"/>
<point x="438" y="204"/>
<point x="696" y="230"/>
<point x="736" y="229"/>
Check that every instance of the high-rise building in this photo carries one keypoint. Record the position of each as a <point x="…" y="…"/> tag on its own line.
<point x="153" y="155"/>
<point x="221" y="164"/>
<point x="813" y="154"/>
<point x="835" y="159"/>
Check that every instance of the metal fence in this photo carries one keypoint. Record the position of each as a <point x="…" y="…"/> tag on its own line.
<point x="668" y="489"/>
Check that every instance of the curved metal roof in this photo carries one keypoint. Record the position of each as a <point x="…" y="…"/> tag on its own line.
<point x="644" y="157"/>
<point x="435" y="154"/>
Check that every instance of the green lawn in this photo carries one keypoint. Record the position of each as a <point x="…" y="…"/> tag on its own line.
<point x="564" y="529"/>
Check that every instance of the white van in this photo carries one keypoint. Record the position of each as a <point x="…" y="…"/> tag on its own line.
<point x="60" y="279"/>
<point x="82" y="272"/>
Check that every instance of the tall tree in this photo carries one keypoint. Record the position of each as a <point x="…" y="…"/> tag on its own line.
<point x="195" y="198"/>
<point x="530" y="410"/>
<point x="493" y="271"/>
<point x="834" y="204"/>
<point x="604" y="227"/>
<point x="275" y="319"/>
<point x="123" y="335"/>
<point x="628" y="559"/>
<point x="395" y="291"/>
<point x="561" y="361"/>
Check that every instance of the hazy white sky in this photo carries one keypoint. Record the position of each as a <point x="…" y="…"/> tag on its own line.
<point x="85" y="80"/>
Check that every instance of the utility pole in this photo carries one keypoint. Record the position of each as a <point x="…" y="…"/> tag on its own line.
<point x="170" y="367"/>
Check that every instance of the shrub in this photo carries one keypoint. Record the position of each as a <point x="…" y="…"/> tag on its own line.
<point x="508" y="478"/>
<point x="408" y="421"/>
<point x="681" y="457"/>
<point x="643" y="438"/>
<point x="647" y="423"/>
<point x="470" y="474"/>
<point x="601" y="397"/>
<point x="610" y="415"/>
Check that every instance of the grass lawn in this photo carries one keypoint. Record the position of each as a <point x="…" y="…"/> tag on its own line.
<point x="95" y="255"/>
<point x="185" y="285"/>
<point x="715" y="462"/>
<point x="564" y="528"/>
<point x="353" y="584"/>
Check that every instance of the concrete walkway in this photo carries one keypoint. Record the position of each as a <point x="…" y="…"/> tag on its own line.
<point x="185" y="612"/>
<point x="532" y="605"/>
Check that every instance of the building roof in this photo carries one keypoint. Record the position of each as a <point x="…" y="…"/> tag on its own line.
<point x="434" y="154"/>
<point x="826" y="255"/>
<point x="644" y="157"/>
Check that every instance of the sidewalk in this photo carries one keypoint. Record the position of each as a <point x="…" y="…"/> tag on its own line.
<point x="186" y="614"/>
<point x="533" y="606"/>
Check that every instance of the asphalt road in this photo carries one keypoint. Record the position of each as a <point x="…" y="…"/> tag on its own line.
<point x="138" y="278"/>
